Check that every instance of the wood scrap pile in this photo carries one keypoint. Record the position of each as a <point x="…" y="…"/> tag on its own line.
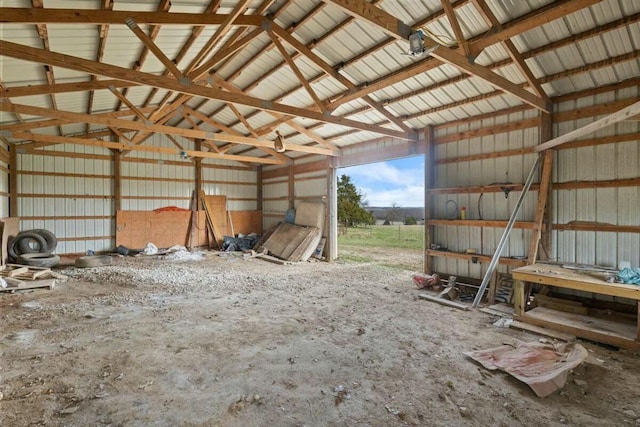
<point x="298" y="241"/>
<point x="21" y="277"/>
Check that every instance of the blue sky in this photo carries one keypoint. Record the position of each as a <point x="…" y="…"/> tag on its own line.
<point x="396" y="181"/>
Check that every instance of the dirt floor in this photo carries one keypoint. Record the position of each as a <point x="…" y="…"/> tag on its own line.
<point x="233" y="342"/>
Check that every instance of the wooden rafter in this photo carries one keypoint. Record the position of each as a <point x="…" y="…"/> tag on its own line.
<point x="48" y="70"/>
<point x="39" y="55"/>
<point x="548" y="13"/>
<point x="151" y="46"/>
<point x="513" y="52"/>
<point x="331" y="71"/>
<point x="131" y="147"/>
<point x="224" y="27"/>
<point x="284" y="119"/>
<point x="103" y="32"/>
<point x="455" y="25"/>
<point x="296" y="71"/>
<point x="401" y="31"/>
<point x="118" y="17"/>
<point x="129" y="124"/>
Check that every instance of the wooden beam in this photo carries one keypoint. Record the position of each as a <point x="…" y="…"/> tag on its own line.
<point x="623" y="114"/>
<point x="99" y="16"/>
<point x="13" y="181"/>
<point x="117" y="180"/>
<point x="513" y="52"/>
<point x="128" y="124"/>
<point x="398" y="29"/>
<point x="455" y="25"/>
<point x="130" y="147"/>
<point x="128" y="103"/>
<point x="16" y="91"/>
<point x="151" y="45"/>
<point x="297" y="72"/>
<point x="224" y="27"/>
<point x="429" y="183"/>
<point x="15" y="50"/>
<point x="331" y="71"/>
<point x="534" y="19"/>
<point x="553" y="11"/>
<point x="543" y="195"/>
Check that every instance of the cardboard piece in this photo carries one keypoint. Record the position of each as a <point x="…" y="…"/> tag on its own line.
<point x="10" y="228"/>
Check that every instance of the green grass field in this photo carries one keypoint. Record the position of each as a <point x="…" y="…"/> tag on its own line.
<point x="383" y="236"/>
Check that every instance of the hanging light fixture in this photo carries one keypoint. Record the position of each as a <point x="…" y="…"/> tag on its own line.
<point x="278" y="144"/>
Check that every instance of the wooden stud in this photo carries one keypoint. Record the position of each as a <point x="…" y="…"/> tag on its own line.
<point x="13" y="181"/>
<point x="117" y="180"/>
<point x="118" y="17"/>
<point x="616" y="117"/>
<point x="429" y="183"/>
<point x="543" y="194"/>
<point x="150" y="44"/>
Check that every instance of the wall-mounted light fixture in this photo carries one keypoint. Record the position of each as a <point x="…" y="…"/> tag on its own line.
<point x="278" y="144"/>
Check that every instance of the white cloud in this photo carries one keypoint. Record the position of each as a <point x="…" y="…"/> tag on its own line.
<point x="405" y="197"/>
<point x="385" y="173"/>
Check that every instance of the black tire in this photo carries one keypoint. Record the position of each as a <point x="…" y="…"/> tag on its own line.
<point x="15" y="249"/>
<point x="93" y="261"/>
<point x="49" y="237"/>
<point x="44" y="260"/>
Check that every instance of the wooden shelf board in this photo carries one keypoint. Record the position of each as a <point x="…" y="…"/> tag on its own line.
<point x="615" y="332"/>
<point x="479" y="223"/>
<point x="553" y="275"/>
<point x="480" y="189"/>
<point x="480" y="257"/>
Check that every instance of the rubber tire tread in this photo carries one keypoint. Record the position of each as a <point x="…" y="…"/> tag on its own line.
<point x="14" y="248"/>
<point x="93" y="261"/>
<point x="49" y="237"/>
<point x="45" y="260"/>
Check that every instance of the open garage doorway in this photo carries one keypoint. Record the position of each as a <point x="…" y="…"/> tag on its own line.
<point x="381" y="212"/>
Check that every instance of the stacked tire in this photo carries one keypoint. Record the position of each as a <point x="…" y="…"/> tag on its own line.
<point x="34" y="248"/>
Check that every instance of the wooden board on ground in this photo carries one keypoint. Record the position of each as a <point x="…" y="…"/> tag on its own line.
<point x="10" y="229"/>
<point x="272" y="259"/>
<point x="25" y="272"/>
<point x="446" y="302"/>
<point x="134" y="229"/>
<point x="542" y="331"/>
<point x="46" y="283"/>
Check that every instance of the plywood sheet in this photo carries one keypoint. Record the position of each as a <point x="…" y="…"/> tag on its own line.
<point x="10" y="227"/>
<point x="310" y="214"/>
<point x="246" y="222"/>
<point x="134" y="229"/>
<point x="290" y="241"/>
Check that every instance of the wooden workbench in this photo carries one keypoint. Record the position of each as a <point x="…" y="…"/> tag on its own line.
<point x="614" y="330"/>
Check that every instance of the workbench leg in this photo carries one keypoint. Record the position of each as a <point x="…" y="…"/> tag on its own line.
<point x="638" y="323"/>
<point x="519" y="300"/>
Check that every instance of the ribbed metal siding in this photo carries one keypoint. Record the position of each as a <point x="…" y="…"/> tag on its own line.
<point x="72" y="202"/>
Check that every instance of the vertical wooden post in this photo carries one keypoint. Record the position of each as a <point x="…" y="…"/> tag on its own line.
<point x="543" y="194"/>
<point x="260" y="185"/>
<point x="429" y="182"/>
<point x="13" y="181"/>
<point x="198" y="175"/>
<point x="292" y="194"/>
<point x="518" y="298"/>
<point x="117" y="180"/>
<point x="332" y="196"/>
<point x="546" y="134"/>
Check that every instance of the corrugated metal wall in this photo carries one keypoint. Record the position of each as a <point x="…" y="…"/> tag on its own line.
<point x="487" y="206"/>
<point x="614" y="205"/>
<point x="309" y="184"/>
<point x="4" y="181"/>
<point x="69" y="189"/>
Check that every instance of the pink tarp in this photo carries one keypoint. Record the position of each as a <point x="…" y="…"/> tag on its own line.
<point x="544" y="367"/>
